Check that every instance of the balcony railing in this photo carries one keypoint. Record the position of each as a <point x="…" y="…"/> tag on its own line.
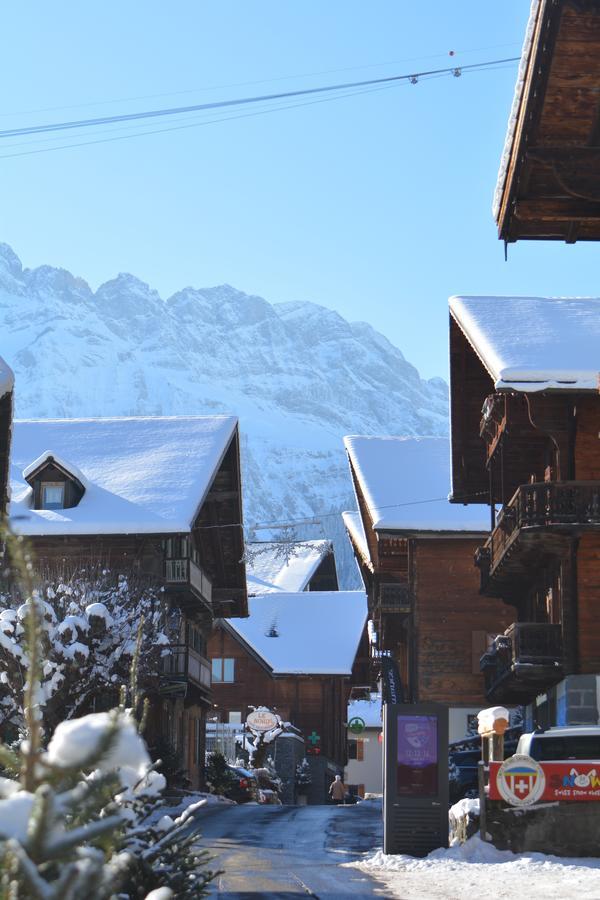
<point x="185" y="572"/>
<point x="556" y="506"/>
<point x="182" y="663"/>
<point x="394" y="597"/>
<point x="524" y="661"/>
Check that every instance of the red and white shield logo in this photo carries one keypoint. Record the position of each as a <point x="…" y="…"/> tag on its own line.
<point x="520" y="780"/>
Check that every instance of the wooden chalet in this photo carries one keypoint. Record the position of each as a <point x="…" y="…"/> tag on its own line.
<point x="549" y="182"/>
<point x="290" y="567"/>
<point x="415" y="553"/>
<point x="6" y="404"/>
<point x="295" y="654"/>
<point x="525" y="413"/>
<point x="158" y="497"/>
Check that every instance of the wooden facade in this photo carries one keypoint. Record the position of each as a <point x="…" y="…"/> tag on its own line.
<point x="549" y="188"/>
<point x="203" y="578"/>
<point x="316" y="704"/>
<point x="539" y="455"/>
<point x="426" y="610"/>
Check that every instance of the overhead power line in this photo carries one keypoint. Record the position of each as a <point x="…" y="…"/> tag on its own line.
<point x="244" y="101"/>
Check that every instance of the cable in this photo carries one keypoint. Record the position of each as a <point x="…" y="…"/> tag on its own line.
<point x="217" y="87"/>
<point x="241" y="101"/>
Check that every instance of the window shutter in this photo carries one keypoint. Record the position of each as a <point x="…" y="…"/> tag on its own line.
<point x="360" y="750"/>
<point x="478" y="648"/>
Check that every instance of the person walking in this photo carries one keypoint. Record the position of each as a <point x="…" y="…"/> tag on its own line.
<point x="337" y="790"/>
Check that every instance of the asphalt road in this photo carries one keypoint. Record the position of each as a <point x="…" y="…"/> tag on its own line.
<point x="286" y="851"/>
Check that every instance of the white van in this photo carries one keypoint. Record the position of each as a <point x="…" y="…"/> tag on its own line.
<point x="562" y="743"/>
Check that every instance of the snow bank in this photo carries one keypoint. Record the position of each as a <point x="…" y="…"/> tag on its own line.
<point x="143" y="475"/>
<point x="534" y="343"/>
<point x="405" y="482"/>
<point x="476" y="868"/>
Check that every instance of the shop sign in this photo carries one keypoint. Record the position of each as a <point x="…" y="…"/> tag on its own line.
<point x="356" y="725"/>
<point x="262" y="720"/>
<point x="521" y="781"/>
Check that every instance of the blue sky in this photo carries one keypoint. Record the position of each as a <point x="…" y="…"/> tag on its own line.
<point x="377" y="205"/>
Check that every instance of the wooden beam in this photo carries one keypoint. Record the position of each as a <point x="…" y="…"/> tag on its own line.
<point x="557" y="210"/>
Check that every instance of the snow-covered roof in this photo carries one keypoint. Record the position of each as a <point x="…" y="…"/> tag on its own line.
<point x="516" y="105"/>
<point x="6" y="378"/>
<point x="313" y="632"/>
<point x="355" y="528"/>
<point x="274" y="566"/>
<point x="367" y="710"/>
<point x="405" y="482"/>
<point x="142" y="475"/>
<point x="534" y="343"/>
<point x="50" y="456"/>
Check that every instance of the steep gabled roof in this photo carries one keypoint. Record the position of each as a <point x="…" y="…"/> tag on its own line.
<point x="142" y="475"/>
<point x="533" y="343"/>
<point x="308" y="633"/>
<point x="270" y="568"/>
<point x="356" y="531"/>
<point x="405" y="482"/>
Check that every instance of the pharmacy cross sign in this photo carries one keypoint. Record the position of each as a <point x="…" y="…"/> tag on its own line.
<point x="314" y="738"/>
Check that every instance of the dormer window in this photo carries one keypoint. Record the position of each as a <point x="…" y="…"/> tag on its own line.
<point x="55" y="484"/>
<point x="53" y="495"/>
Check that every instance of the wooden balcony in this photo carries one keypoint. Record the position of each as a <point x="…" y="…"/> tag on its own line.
<point x="183" y="665"/>
<point x="523" y="662"/>
<point x="184" y="575"/>
<point x="534" y="526"/>
<point x="394" y="597"/>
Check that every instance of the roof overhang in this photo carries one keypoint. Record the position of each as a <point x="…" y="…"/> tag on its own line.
<point x="549" y="181"/>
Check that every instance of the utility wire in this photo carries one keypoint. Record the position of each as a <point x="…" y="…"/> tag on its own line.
<point x="242" y="101"/>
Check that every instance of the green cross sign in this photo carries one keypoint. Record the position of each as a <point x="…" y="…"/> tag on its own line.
<point x="314" y="738"/>
<point x="356" y="725"/>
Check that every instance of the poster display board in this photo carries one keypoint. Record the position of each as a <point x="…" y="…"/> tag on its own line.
<point x="415" y="778"/>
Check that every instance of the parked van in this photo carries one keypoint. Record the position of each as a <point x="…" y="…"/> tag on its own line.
<point x="562" y="743"/>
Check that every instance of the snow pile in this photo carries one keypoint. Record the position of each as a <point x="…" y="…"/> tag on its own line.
<point x="314" y="632"/>
<point x="273" y="566"/>
<point x="142" y="475"/>
<point x="405" y="482"/>
<point x="534" y="343"/>
<point x="477" y="869"/>
<point x="495" y="718"/>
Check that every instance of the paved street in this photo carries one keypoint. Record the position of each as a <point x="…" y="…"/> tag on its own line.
<point x="286" y="851"/>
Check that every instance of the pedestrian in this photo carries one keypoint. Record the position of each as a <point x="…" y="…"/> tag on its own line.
<point x="337" y="790"/>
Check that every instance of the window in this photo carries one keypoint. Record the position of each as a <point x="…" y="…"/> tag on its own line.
<point x="53" y="495"/>
<point x="223" y="670"/>
<point x="235" y="718"/>
<point x="356" y="749"/>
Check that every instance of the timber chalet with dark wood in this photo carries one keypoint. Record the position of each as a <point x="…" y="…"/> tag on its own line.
<point x="525" y="412"/>
<point x="549" y="182"/>
<point x="6" y="406"/>
<point x="159" y="497"/>
<point x="415" y="553"/>
<point x="295" y="654"/>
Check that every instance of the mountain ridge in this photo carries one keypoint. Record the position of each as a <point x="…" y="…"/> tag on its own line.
<point x="298" y="375"/>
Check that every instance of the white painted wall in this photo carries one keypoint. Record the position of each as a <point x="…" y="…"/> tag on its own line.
<point x="369" y="770"/>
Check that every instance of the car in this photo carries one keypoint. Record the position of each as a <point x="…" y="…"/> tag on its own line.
<point x="563" y="742"/>
<point x="244" y="785"/>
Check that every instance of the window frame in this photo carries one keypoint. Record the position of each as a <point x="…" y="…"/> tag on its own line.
<point x="44" y="485"/>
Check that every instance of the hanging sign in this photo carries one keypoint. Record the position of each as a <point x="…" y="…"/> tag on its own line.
<point x="522" y="781"/>
<point x="262" y="720"/>
<point x="356" y="725"/>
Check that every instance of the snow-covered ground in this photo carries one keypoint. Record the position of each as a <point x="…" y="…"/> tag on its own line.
<point x="477" y="869"/>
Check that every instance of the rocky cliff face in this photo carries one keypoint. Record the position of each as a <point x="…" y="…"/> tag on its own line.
<point x="298" y="375"/>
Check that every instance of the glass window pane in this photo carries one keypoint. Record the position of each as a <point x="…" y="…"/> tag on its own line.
<point x="228" y="670"/>
<point x="235" y="718"/>
<point x="52" y="496"/>
<point x="217" y="670"/>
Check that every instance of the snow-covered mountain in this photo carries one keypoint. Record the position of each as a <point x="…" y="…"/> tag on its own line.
<point x="298" y="375"/>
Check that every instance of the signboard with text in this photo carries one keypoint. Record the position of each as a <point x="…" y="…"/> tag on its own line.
<point x="522" y="781"/>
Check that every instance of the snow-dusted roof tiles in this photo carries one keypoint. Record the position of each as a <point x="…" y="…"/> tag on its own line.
<point x="308" y="633"/>
<point x="268" y="569"/>
<point x="142" y="475"/>
<point x="405" y="482"/>
<point x="534" y="343"/>
<point x="6" y="378"/>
